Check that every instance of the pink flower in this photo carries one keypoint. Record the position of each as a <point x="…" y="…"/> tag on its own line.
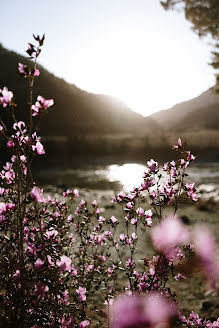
<point x="17" y="274"/>
<point x="23" y="159"/>
<point x="129" y="205"/>
<point x="109" y="272"/>
<point x="81" y="291"/>
<point x="191" y="191"/>
<point x="148" y="219"/>
<point x="205" y="249"/>
<point x="113" y="219"/>
<point x="37" y="195"/>
<point x="10" y="144"/>
<point x="140" y="211"/>
<point x="49" y="258"/>
<point x="38" y="264"/>
<point x="94" y="203"/>
<point x="129" y="264"/>
<point x="152" y="310"/>
<point x="64" y="264"/>
<point x="20" y="126"/>
<point x="67" y="323"/>
<point x="23" y="69"/>
<point x="6" y="97"/>
<point x="82" y="203"/>
<point x="134" y="236"/>
<point x="153" y="166"/>
<point x="179" y="144"/>
<point x="75" y="193"/>
<point x="122" y="237"/>
<point x="166" y="166"/>
<point x="84" y="324"/>
<point x="10" y="206"/>
<point x="90" y="267"/>
<point x="3" y="208"/>
<point x="41" y="103"/>
<point x="102" y="258"/>
<point x="36" y="72"/>
<point x="38" y="148"/>
<point x="51" y="233"/>
<point x="168" y="234"/>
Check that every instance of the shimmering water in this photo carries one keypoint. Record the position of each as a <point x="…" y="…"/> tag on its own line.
<point x="126" y="177"/>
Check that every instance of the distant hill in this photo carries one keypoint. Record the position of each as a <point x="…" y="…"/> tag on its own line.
<point x="200" y="113"/>
<point x="76" y="112"/>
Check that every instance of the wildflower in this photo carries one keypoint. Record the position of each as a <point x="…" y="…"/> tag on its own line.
<point x="64" y="264"/>
<point x="153" y="166"/>
<point x="84" y="324"/>
<point x="38" y="148"/>
<point x="37" y="195"/>
<point x="122" y="237"/>
<point x="17" y="274"/>
<point x="129" y="205"/>
<point x="36" y="72"/>
<point x="94" y="203"/>
<point x="10" y="144"/>
<point x="134" y="236"/>
<point x="41" y="104"/>
<point x="51" y="233"/>
<point x="191" y="191"/>
<point x="6" y="97"/>
<point x="81" y="291"/>
<point x="179" y="144"/>
<point x="140" y="211"/>
<point x="3" y="208"/>
<point x="113" y="219"/>
<point x="148" y="217"/>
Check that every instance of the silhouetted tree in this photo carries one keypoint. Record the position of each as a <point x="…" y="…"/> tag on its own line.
<point x="204" y="16"/>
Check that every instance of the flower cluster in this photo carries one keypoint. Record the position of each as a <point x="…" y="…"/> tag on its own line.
<point x="63" y="266"/>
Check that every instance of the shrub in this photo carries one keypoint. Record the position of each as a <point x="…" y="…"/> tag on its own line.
<point x="63" y="267"/>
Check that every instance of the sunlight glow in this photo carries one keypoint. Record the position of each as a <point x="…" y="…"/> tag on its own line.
<point x="130" y="175"/>
<point x="143" y="70"/>
<point x="133" y="50"/>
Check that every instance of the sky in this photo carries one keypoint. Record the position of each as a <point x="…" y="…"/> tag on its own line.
<point x="131" y="49"/>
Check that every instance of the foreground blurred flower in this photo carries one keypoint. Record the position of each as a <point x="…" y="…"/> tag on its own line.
<point x="205" y="249"/>
<point x="168" y="234"/>
<point x="135" y="311"/>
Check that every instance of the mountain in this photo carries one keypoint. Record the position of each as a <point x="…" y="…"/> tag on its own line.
<point x="200" y="113"/>
<point x="76" y="112"/>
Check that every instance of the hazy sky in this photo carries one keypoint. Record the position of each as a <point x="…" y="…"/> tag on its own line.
<point x="131" y="49"/>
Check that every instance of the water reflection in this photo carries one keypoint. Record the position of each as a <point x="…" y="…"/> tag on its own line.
<point x="125" y="177"/>
<point x="130" y="175"/>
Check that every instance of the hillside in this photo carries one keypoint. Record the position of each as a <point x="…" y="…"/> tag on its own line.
<point x="199" y="113"/>
<point x="76" y="112"/>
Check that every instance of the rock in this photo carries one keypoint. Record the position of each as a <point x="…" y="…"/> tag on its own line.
<point x="209" y="308"/>
<point x="185" y="219"/>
